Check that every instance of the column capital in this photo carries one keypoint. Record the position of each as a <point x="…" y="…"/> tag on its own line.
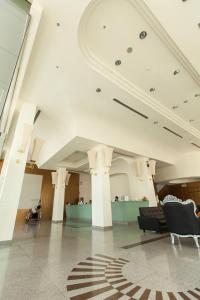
<point x="60" y="177"/>
<point x="100" y="157"/>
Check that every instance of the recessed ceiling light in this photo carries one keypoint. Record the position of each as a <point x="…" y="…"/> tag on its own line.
<point x="185" y="101"/>
<point x="152" y="90"/>
<point x="58" y="24"/>
<point x="191" y="120"/>
<point x="176" y="72"/>
<point x="104" y="26"/>
<point x="143" y="35"/>
<point x="175" y="107"/>
<point x="129" y="50"/>
<point x="199" y="25"/>
<point x="197" y="95"/>
<point x="98" y="90"/>
<point x="155" y="122"/>
<point x="57" y="67"/>
<point x="118" y="62"/>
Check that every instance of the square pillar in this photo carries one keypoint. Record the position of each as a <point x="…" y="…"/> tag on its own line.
<point x="100" y="159"/>
<point x="12" y="173"/>
<point x="61" y="178"/>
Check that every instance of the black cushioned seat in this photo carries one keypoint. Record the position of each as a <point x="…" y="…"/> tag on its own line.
<point x="182" y="220"/>
<point x="152" y="218"/>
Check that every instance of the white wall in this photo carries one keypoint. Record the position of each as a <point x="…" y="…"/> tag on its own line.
<point x="186" y="166"/>
<point x="119" y="185"/>
<point x="85" y="189"/>
<point x="31" y="191"/>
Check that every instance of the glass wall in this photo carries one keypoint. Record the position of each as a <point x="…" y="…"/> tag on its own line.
<point x="13" y="23"/>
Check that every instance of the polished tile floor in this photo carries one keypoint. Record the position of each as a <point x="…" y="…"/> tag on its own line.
<point x="51" y="261"/>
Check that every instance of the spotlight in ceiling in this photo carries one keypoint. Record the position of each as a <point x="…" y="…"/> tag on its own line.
<point x="191" y="120"/>
<point x="143" y="35"/>
<point x="199" y="25"/>
<point x="155" y="122"/>
<point x="57" y="67"/>
<point x="152" y="90"/>
<point x="58" y="24"/>
<point x="129" y="50"/>
<point x="104" y="26"/>
<point x="98" y="90"/>
<point x="175" y="107"/>
<point x="118" y="62"/>
<point x="197" y="95"/>
<point x="176" y="72"/>
<point x="185" y="101"/>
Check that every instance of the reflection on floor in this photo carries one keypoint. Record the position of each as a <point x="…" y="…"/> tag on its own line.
<point x="51" y="261"/>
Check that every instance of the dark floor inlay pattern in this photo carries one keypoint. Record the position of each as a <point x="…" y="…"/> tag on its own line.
<point x="145" y="242"/>
<point x="86" y="283"/>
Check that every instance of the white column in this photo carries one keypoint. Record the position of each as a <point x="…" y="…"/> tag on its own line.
<point x="145" y="181"/>
<point x="59" y="195"/>
<point x="13" y="171"/>
<point x="100" y="159"/>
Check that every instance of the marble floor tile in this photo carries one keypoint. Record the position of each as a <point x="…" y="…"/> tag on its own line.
<point x="46" y="258"/>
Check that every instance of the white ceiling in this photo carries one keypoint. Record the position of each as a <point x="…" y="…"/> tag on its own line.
<point x="63" y="82"/>
<point x="151" y="64"/>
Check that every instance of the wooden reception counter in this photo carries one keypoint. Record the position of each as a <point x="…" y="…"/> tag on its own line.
<point x="122" y="212"/>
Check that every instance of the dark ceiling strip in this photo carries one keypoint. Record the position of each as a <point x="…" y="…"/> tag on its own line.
<point x="195" y="145"/>
<point x="37" y="115"/>
<point x="130" y="108"/>
<point x="173" y="132"/>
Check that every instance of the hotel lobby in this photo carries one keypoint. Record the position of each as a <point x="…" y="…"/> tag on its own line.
<point x="100" y="149"/>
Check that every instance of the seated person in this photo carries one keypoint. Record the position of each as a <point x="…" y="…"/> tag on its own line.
<point x="116" y="198"/>
<point x="34" y="213"/>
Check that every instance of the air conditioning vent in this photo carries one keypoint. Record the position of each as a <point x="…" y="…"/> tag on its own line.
<point x="195" y="145"/>
<point x="173" y="132"/>
<point x="130" y="108"/>
<point x="37" y="115"/>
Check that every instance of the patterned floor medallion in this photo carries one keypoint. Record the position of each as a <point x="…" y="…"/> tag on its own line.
<point x="100" y="277"/>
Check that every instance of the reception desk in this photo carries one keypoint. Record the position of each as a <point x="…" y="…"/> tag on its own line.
<point x="122" y="212"/>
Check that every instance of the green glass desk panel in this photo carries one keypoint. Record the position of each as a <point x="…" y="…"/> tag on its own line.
<point x="126" y="211"/>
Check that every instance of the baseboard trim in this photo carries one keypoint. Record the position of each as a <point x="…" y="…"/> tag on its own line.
<point x="8" y="242"/>
<point x="102" y="228"/>
<point x="57" y="222"/>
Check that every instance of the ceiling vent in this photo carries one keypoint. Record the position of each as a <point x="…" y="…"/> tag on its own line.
<point x="195" y="145"/>
<point x="37" y="115"/>
<point x="130" y="108"/>
<point x="173" y="132"/>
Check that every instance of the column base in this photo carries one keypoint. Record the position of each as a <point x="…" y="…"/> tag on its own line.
<point x="57" y="222"/>
<point x="102" y="228"/>
<point x="8" y="242"/>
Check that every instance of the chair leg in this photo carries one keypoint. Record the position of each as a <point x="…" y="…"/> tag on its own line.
<point x="196" y="241"/>
<point x="172" y="238"/>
